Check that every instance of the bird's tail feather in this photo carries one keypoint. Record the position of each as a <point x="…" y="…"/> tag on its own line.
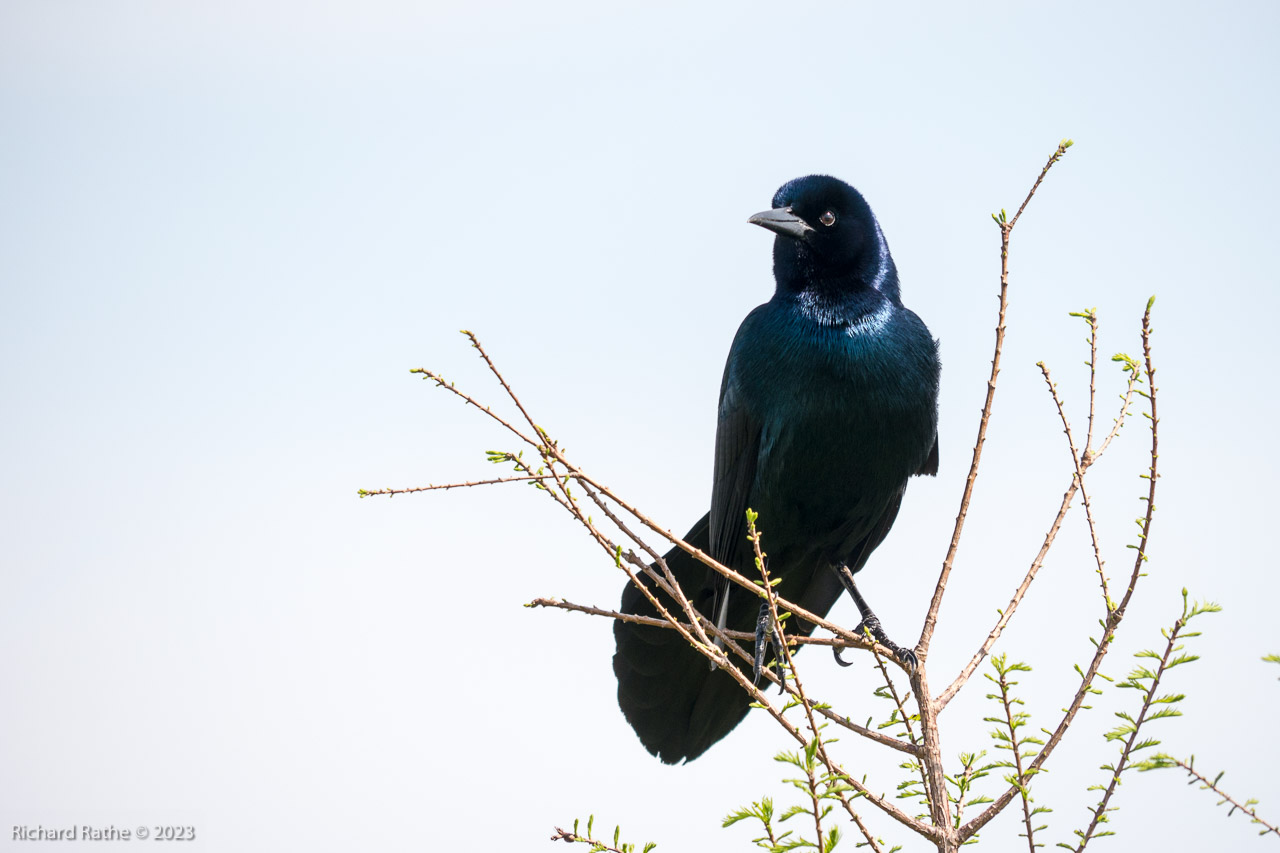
<point x="676" y="703"/>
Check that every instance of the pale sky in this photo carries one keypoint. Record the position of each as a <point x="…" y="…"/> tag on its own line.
<point x="228" y="231"/>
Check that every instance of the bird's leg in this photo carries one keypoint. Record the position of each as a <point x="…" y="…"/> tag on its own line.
<point x="767" y="633"/>
<point x="762" y="641"/>
<point x="721" y="607"/>
<point x="870" y="623"/>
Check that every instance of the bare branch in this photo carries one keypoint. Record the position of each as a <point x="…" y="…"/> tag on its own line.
<point x="1100" y="810"/>
<point x="1007" y="613"/>
<point x="1091" y="317"/>
<point x="744" y="636"/>
<point x="1053" y="158"/>
<point x="596" y="845"/>
<point x="931" y="757"/>
<point x="1006" y="228"/>
<point x="1115" y="617"/>
<point x="820" y="748"/>
<point x="1212" y="785"/>
<point x="847" y="802"/>
<point x="1134" y="378"/>
<point x="1087" y="459"/>
<point x="852" y="639"/>
<point x="471" y="401"/>
<point x="673" y="588"/>
<point x="900" y="703"/>
<point x="475" y="342"/>
<point x="1076" y="461"/>
<point x="368" y="493"/>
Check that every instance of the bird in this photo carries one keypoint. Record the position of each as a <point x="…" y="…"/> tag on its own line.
<point x="828" y="406"/>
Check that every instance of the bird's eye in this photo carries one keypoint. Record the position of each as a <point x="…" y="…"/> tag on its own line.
<point x="828" y="219"/>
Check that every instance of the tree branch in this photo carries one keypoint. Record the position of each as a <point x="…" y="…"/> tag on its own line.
<point x="1114" y="618"/>
<point x="1006" y="229"/>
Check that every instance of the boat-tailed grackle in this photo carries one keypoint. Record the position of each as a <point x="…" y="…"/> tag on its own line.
<point x="827" y="407"/>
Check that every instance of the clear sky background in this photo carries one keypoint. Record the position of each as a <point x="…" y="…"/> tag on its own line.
<point x="228" y="230"/>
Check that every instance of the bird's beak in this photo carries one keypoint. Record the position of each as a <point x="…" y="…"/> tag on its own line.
<point x="781" y="221"/>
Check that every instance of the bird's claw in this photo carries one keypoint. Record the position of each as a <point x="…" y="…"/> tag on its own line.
<point x="762" y="641"/>
<point x="871" y="627"/>
<point x="767" y="634"/>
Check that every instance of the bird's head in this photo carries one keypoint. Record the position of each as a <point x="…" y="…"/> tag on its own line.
<point x="826" y="234"/>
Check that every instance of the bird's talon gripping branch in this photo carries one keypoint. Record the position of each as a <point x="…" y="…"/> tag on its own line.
<point x="870" y="625"/>
<point x="762" y="643"/>
<point x="767" y="634"/>
<point x="905" y="656"/>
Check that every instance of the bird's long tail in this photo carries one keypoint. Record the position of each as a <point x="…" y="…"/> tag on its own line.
<point x="676" y="703"/>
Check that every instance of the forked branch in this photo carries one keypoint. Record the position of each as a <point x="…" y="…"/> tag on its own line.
<point x="1103" y="643"/>
<point x="1006" y="229"/>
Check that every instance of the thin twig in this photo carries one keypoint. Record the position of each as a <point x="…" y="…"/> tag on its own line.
<point x="793" y="639"/>
<point x="820" y="749"/>
<point x="368" y="493"/>
<point x="869" y="734"/>
<point x="1100" y="810"/>
<point x="1127" y="399"/>
<point x="1053" y="158"/>
<point x="1076" y="461"/>
<point x="1114" y="618"/>
<point x="1006" y="614"/>
<point x="596" y="846"/>
<point x="845" y="800"/>
<point x="843" y="633"/>
<point x="1014" y="722"/>
<point x="448" y="386"/>
<point x="1006" y="228"/>
<point x="1091" y="317"/>
<point x="1212" y="785"/>
<point x="475" y="342"/>
<point x="964" y="783"/>
<point x="900" y="703"/>
<point x="784" y="655"/>
<point x="675" y="589"/>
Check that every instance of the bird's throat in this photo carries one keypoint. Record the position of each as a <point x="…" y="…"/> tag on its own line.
<point x="858" y="310"/>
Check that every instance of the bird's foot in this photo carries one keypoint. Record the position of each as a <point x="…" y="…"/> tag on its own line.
<point x="767" y="634"/>
<point x="870" y="626"/>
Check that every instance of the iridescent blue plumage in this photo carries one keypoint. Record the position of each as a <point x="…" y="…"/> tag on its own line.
<point x="827" y="407"/>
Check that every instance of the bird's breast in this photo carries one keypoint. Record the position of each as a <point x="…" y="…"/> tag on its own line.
<point x="853" y="401"/>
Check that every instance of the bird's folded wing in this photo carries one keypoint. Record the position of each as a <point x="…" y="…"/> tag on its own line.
<point x="930" y="465"/>
<point x="737" y="449"/>
<point x="875" y="533"/>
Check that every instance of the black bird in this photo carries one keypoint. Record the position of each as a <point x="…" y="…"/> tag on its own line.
<point x="828" y="405"/>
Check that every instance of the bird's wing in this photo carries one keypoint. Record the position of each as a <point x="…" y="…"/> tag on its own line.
<point x="930" y="465"/>
<point x="878" y="531"/>
<point x="737" y="449"/>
